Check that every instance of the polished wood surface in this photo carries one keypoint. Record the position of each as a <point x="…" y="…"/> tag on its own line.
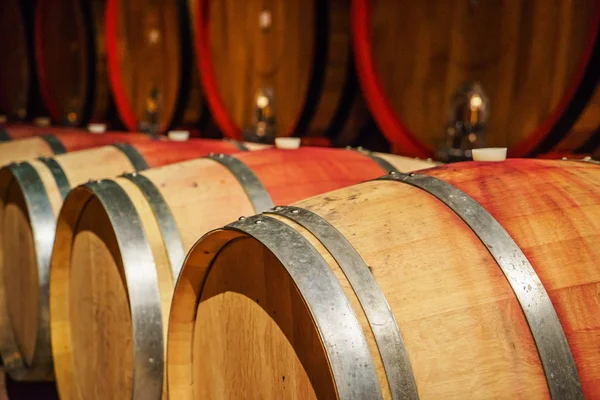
<point x="18" y="246"/>
<point x="201" y="195"/>
<point x="300" y="50"/>
<point x="463" y="328"/>
<point x="421" y="52"/>
<point x="148" y="56"/>
<point x="15" y="74"/>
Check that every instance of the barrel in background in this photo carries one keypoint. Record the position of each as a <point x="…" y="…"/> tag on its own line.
<point x="70" y="53"/>
<point x="538" y="62"/>
<point x="19" y="96"/>
<point x="286" y="65"/>
<point x="150" y="64"/>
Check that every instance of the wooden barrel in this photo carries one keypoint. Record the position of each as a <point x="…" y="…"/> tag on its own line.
<point x="71" y="60"/>
<point x="47" y="143"/>
<point x="412" y="57"/>
<point x="31" y="195"/>
<point x="174" y="206"/>
<point x="17" y="80"/>
<point x="150" y="64"/>
<point x="428" y="285"/>
<point x="297" y="52"/>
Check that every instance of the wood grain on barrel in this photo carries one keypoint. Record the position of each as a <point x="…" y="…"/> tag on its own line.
<point x="146" y="52"/>
<point x="300" y="50"/>
<point x="463" y="328"/>
<point x="93" y="316"/>
<point x="19" y="251"/>
<point x="422" y="52"/>
<point x="202" y="195"/>
<point x="246" y="59"/>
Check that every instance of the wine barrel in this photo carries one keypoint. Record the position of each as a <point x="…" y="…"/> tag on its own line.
<point x="298" y="53"/>
<point x="71" y="60"/>
<point x="150" y="65"/>
<point x="174" y="206"/>
<point x="426" y="285"/>
<point x="412" y="57"/>
<point x="17" y="79"/>
<point x="31" y="195"/>
<point x="46" y="144"/>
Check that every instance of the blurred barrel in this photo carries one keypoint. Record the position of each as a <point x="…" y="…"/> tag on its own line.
<point x="71" y="60"/>
<point x="428" y="285"/>
<point x="18" y="84"/>
<point x="175" y="205"/>
<point x="47" y="143"/>
<point x="31" y="195"/>
<point x="296" y="54"/>
<point x="412" y="57"/>
<point x="150" y="64"/>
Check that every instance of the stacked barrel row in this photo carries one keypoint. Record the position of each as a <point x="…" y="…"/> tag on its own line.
<point x="216" y="269"/>
<point x="310" y="68"/>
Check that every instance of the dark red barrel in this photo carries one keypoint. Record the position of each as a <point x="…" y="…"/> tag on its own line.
<point x="70" y="55"/>
<point x="538" y="63"/>
<point x="18" y="86"/>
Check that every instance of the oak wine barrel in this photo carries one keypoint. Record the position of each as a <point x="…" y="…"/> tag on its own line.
<point x="70" y="54"/>
<point x="472" y="280"/>
<point x="18" y="84"/>
<point x="172" y="206"/>
<point x="150" y="64"/>
<point x="413" y="56"/>
<point x="31" y="195"/>
<point x="296" y="53"/>
<point x="54" y="141"/>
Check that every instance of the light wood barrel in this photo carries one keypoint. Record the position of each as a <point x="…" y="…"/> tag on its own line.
<point x="31" y="195"/>
<point x="473" y="280"/>
<point x="412" y="56"/>
<point x="150" y="63"/>
<point x="17" y="79"/>
<point x="172" y="207"/>
<point x="298" y="50"/>
<point x="70" y="54"/>
<point x="48" y="143"/>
